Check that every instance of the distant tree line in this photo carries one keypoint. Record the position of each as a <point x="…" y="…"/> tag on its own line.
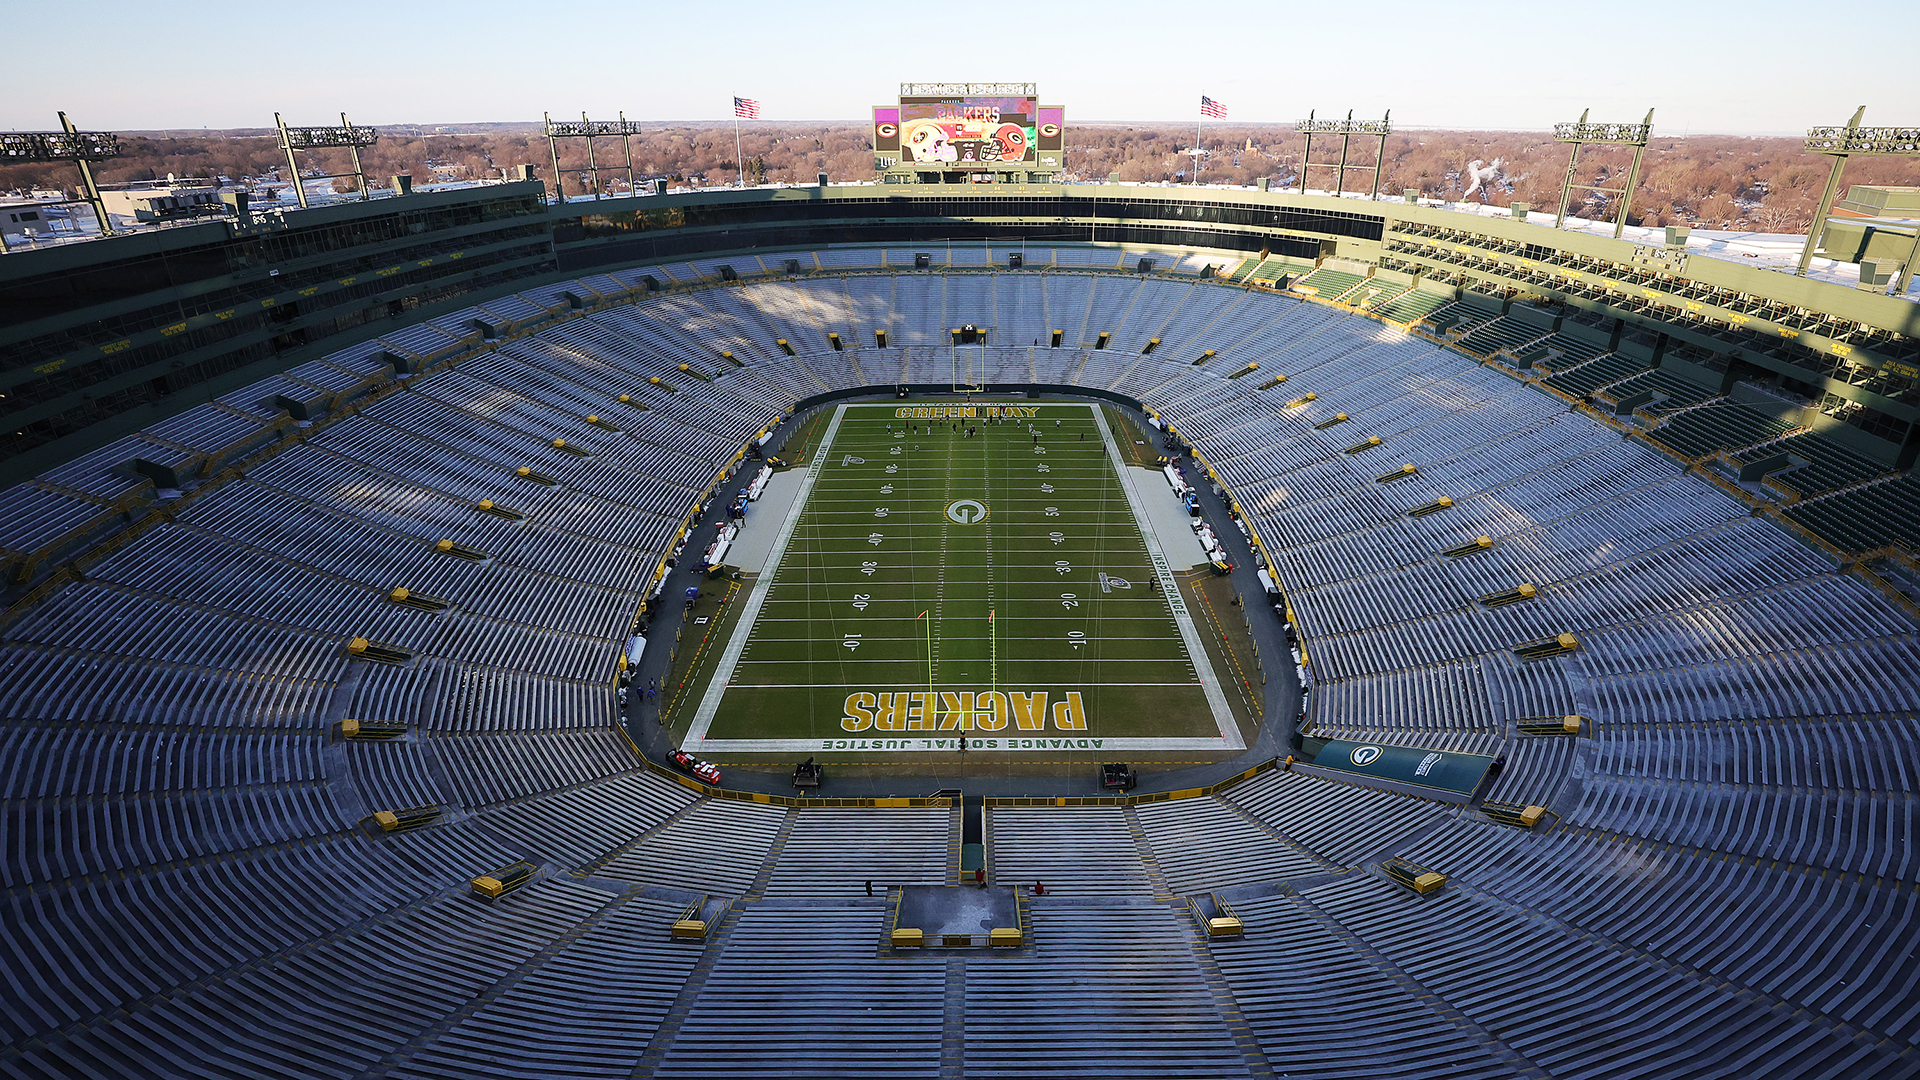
<point x="1708" y="181"/>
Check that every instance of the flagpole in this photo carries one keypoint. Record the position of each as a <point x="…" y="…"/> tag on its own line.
<point x="739" y="162"/>
<point x="1201" y="119"/>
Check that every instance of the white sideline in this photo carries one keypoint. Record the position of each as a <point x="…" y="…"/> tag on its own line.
<point x="743" y="626"/>
<point x="1169" y="588"/>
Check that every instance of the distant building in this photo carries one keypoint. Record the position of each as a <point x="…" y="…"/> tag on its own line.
<point x="24" y="217"/>
<point x="162" y="202"/>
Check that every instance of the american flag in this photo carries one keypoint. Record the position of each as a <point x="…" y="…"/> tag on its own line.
<point x="746" y="108"/>
<point x="1208" y="107"/>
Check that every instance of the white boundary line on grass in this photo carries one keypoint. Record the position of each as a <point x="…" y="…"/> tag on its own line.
<point x="1202" y="663"/>
<point x="743" y="628"/>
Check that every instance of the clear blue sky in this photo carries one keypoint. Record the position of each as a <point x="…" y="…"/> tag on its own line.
<point x="1709" y="65"/>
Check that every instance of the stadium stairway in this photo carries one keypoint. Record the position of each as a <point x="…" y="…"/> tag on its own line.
<point x="1155" y="876"/>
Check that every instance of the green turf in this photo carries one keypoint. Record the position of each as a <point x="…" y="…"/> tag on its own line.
<point x="874" y="548"/>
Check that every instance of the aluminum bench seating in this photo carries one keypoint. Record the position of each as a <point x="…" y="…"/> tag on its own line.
<point x="1728" y="847"/>
<point x="1307" y="997"/>
<point x="1336" y="821"/>
<point x="1205" y="844"/>
<point x="590" y="1009"/>
<point x="716" y="846"/>
<point x="800" y="992"/>
<point x="1695" y="433"/>
<point x="1154" y="1015"/>
<point x="1829" y="466"/>
<point x="1507" y="993"/>
<point x="1074" y="852"/>
<point x="835" y="851"/>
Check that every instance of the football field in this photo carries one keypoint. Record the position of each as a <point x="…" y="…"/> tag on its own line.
<point x="944" y="575"/>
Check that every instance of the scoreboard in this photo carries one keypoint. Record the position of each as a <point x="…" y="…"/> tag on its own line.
<point x="969" y="132"/>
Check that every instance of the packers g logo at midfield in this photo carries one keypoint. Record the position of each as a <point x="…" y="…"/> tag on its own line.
<point x="1364" y="756"/>
<point x="967" y="511"/>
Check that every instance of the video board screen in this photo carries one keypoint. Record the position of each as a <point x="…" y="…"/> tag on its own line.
<point x="966" y="130"/>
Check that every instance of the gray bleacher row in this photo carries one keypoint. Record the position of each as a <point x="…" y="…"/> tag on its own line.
<point x="528" y="765"/>
<point x="435" y="695"/>
<point x="1856" y="678"/>
<point x="1319" y="1008"/>
<point x="1845" y="754"/>
<point x="236" y="617"/>
<point x="837" y="851"/>
<point x="1793" y="933"/>
<point x="798" y="991"/>
<point x="101" y="685"/>
<point x="1739" y="555"/>
<point x="40" y="759"/>
<point x="1340" y="823"/>
<point x="1522" y="979"/>
<point x="1115" y="991"/>
<point x="588" y="1009"/>
<point x="1206" y="844"/>
<point x="1073" y="852"/>
<point x="1869" y="834"/>
<point x="1629" y="633"/>
<point x="714" y="846"/>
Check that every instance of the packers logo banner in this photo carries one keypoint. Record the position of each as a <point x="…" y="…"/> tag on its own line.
<point x="963" y="710"/>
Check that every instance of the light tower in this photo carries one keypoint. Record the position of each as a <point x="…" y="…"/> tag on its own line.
<point x="622" y="129"/>
<point x="1840" y="142"/>
<point x="320" y="138"/>
<point x="1346" y="129"/>
<point x="83" y="148"/>
<point x="1581" y="134"/>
